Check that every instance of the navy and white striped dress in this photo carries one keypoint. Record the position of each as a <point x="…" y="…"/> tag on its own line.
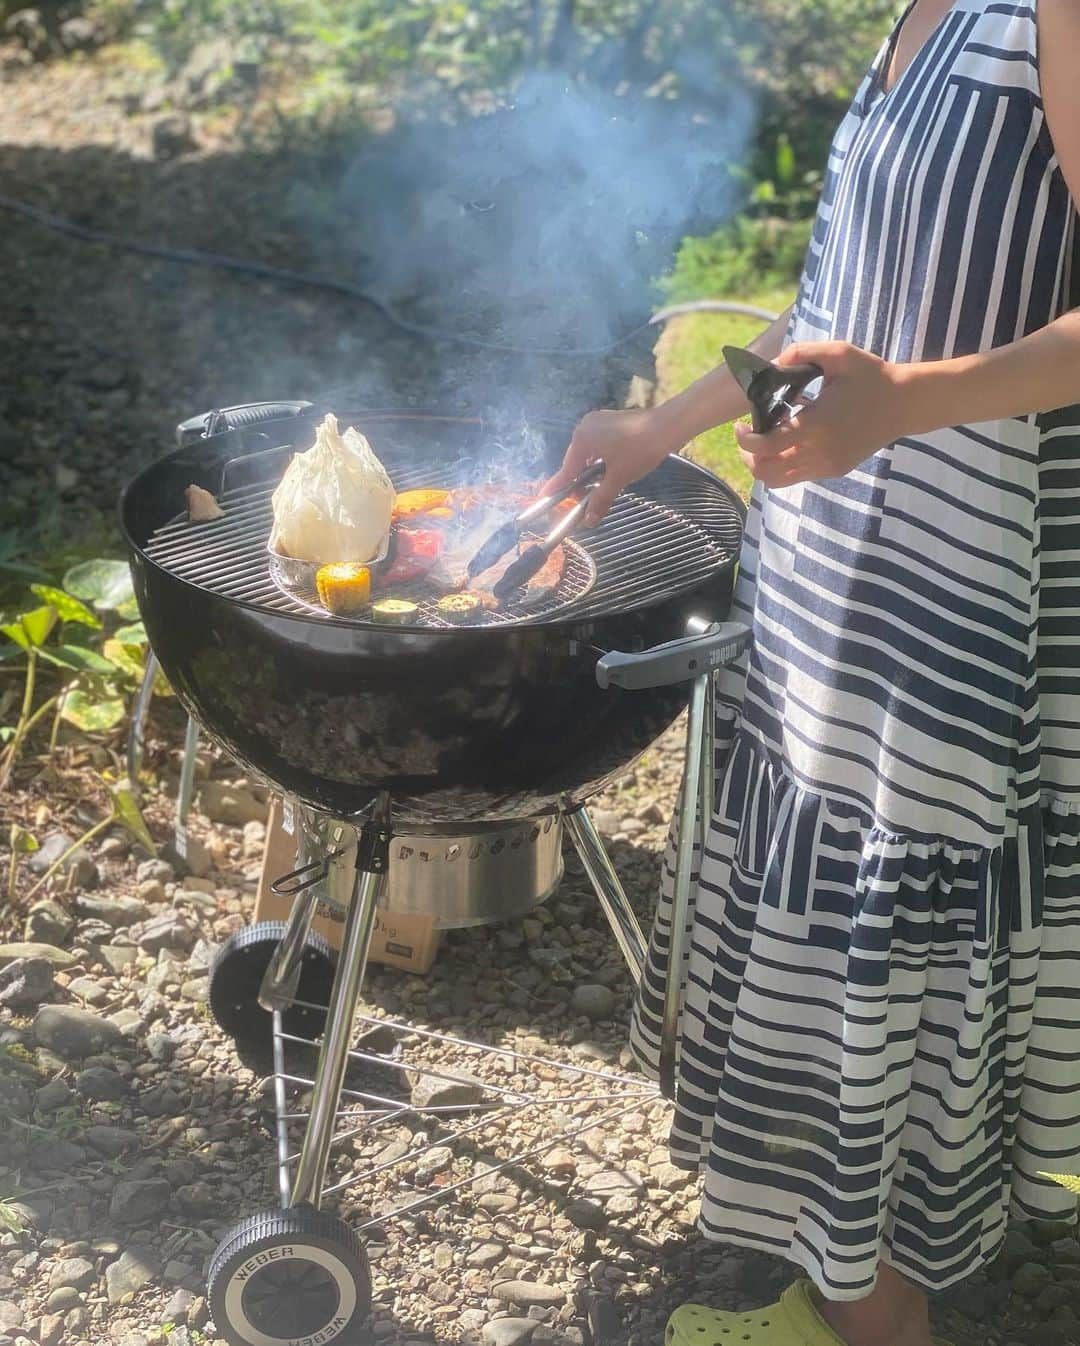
<point x="881" y="1017"/>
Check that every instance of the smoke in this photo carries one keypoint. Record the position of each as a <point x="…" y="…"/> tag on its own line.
<point x="547" y="220"/>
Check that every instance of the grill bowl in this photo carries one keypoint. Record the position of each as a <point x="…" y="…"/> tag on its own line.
<point x="495" y="722"/>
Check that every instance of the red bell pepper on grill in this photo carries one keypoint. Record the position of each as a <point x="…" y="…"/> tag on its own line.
<point x="415" y="551"/>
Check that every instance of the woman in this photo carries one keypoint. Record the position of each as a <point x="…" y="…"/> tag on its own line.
<point x="879" y="1055"/>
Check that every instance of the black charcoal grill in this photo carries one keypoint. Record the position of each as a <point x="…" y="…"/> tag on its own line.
<point x="443" y="760"/>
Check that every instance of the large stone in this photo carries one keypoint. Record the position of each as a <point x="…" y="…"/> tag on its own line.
<point x="101" y="1085"/>
<point x="172" y="136"/>
<point x="509" y="1331"/>
<point x="47" y="922"/>
<point x="26" y="982"/>
<point x="118" y="956"/>
<point x="527" y="1293"/>
<point x="52" y="1096"/>
<point x="74" y="1273"/>
<point x="63" y="1298"/>
<point x="486" y="1255"/>
<point x="11" y="1316"/>
<point x="231" y="804"/>
<point x="89" y="991"/>
<point x="139" y="1200"/>
<point x="74" y="1033"/>
<point x="178" y="1307"/>
<point x="111" y="1141"/>
<point x="160" y="871"/>
<point x="169" y="931"/>
<point x="114" y="911"/>
<point x="26" y="949"/>
<point x="129" y="1273"/>
<point x="1031" y="1280"/>
<point x="613" y="1182"/>
<point x="593" y="1001"/>
<point x="462" y="1091"/>
<point x="79" y="865"/>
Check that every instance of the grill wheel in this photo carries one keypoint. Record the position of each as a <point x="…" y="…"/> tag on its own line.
<point x="290" y="1276"/>
<point x="236" y="976"/>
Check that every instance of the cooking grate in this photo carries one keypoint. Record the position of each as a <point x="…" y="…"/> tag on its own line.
<point x="650" y="545"/>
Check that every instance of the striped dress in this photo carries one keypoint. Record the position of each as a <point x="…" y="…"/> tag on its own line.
<point x="880" y="1026"/>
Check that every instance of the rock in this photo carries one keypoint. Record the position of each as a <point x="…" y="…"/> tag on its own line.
<point x="47" y="922"/>
<point x="594" y="1002"/>
<point x="1046" y="1232"/>
<point x="33" y="1211"/>
<point x="670" y="1178"/>
<point x="74" y="1033"/>
<point x="559" y="1161"/>
<point x="52" y="1096"/>
<point x="79" y="34"/>
<point x="508" y="1331"/>
<point x="463" y="1091"/>
<point x="129" y="1273"/>
<point x="139" y="1200"/>
<point x="101" y="1085"/>
<point x="197" y="858"/>
<point x="1066" y="1252"/>
<point x="436" y="1160"/>
<point x="201" y="957"/>
<point x="197" y="989"/>
<point x="176" y="1311"/>
<point x="64" y="1298"/>
<point x="151" y="892"/>
<point x="89" y="991"/>
<point x="231" y="804"/>
<point x="161" y="1047"/>
<point x="486" y="1255"/>
<point x="198" y="1314"/>
<point x="129" y="1021"/>
<point x="118" y="956"/>
<point x="498" y="1203"/>
<point x="527" y="1293"/>
<point x="27" y="27"/>
<point x="74" y="1273"/>
<point x="169" y="931"/>
<point x="26" y="982"/>
<point x="57" y="957"/>
<point x="198" y="1199"/>
<point x="157" y="871"/>
<point x="613" y="1182"/>
<point x="254" y="839"/>
<point x="114" y="911"/>
<point x="11" y="1316"/>
<point x="171" y="136"/>
<point x="586" y="1215"/>
<point x="51" y="1329"/>
<point x="79" y="865"/>
<point x="606" y="1326"/>
<point x="177" y="1271"/>
<point x="1030" y="1280"/>
<point x="161" y="1101"/>
<point x="111" y="1141"/>
<point x="58" y="1155"/>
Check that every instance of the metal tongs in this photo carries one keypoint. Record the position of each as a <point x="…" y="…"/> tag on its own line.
<point x="769" y="388"/>
<point x="525" y="566"/>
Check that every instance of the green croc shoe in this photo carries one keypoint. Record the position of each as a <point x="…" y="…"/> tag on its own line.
<point x="794" y="1321"/>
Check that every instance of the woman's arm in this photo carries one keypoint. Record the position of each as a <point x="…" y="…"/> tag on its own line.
<point x="869" y="402"/>
<point x="715" y="398"/>
<point x="632" y="443"/>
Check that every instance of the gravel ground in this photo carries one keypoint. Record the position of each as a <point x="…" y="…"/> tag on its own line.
<point x="136" y="1137"/>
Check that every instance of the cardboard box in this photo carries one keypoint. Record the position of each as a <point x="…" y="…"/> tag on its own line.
<point x="408" y="942"/>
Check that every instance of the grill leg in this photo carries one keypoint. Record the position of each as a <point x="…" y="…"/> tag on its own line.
<point x="372" y="861"/>
<point x="692" y="798"/>
<point x="609" y="890"/>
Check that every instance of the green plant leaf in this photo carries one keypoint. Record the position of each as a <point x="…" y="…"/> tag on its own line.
<point x="92" y="714"/>
<point x="127" y="658"/>
<point x="106" y="584"/>
<point x="785" y="161"/>
<point x="31" y="629"/>
<point x="21" y="841"/>
<point x="128" y="809"/>
<point x="131" y="635"/>
<point x="68" y="609"/>
<point x="77" y="657"/>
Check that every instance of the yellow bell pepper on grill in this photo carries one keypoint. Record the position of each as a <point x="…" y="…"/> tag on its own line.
<point x="344" y="587"/>
<point x="422" y="501"/>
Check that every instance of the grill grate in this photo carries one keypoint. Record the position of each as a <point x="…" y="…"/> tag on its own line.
<point x="649" y="546"/>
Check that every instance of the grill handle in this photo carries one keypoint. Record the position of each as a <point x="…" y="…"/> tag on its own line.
<point x="676" y="661"/>
<point x="210" y="423"/>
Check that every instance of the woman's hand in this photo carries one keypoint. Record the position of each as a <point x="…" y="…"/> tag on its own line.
<point x="860" y="410"/>
<point x="631" y="443"/>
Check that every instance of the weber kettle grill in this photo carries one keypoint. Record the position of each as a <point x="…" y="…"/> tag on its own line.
<point x="476" y="747"/>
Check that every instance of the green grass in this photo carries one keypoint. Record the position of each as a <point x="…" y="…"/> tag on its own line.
<point x="690" y="347"/>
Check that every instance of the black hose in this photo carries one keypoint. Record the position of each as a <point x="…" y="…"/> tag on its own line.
<point x="196" y="257"/>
